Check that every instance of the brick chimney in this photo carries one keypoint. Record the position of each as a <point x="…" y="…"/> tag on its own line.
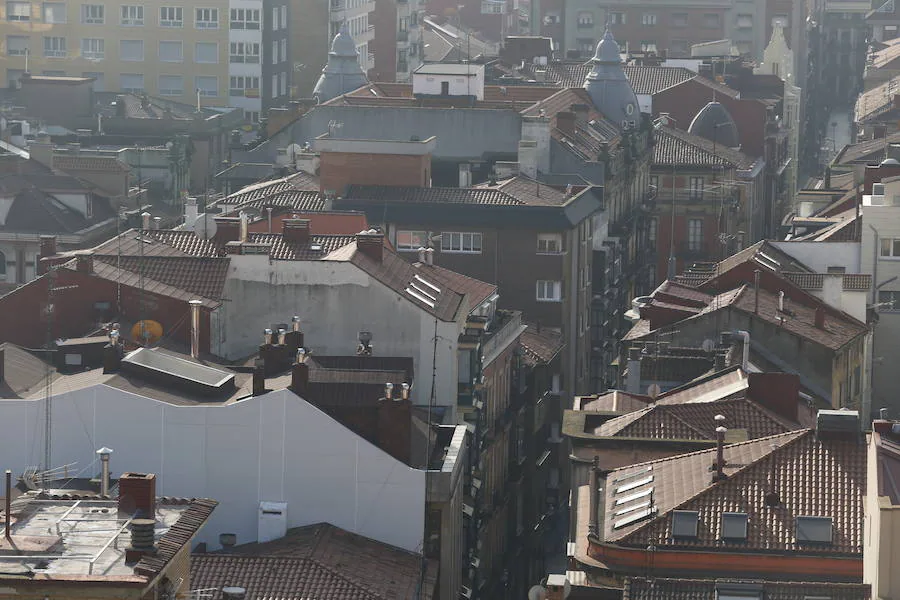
<point x="48" y="245"/>
<point x="137" y="494"/>
<point x="296" y="231"/>
<point x="557" y="586"/>
<point x="820" y="317"/>
<point x="300" y="374"/>
<point x="84" y="263"/>
<point x="228" y="229"/>
<point x="371" y="243"/>
<point x="565" y="122"/>
<point x="395" y="423"/>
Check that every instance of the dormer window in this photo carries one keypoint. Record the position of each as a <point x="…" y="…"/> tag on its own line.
<point x="816" y="530"/>
<point x="734" y="527"/>
<point x="685" y="524"/>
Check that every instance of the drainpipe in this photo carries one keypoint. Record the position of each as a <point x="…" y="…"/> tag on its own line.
<point x="745" y="360"/>
<point x="8" y="513"/>
<point x="195" y="328"/>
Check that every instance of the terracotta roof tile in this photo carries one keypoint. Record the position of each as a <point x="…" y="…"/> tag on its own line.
<point x="639" y="588"/>
<point x="432" y="195"/>
<point x="541" y="344"/>
<point x="200" y="276"/>
<point x="614" y="401"/>
<point x="677" y="147"/>
<point x="813" y="477"/>
<point x="76" y="162"/>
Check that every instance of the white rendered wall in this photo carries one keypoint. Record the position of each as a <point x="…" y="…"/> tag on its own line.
<point x="275" y="447"/>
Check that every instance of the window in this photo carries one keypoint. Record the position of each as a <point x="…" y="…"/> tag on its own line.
<point x="648" y="46"/>
<point x="252" y="116"/>
<point x="678" y="47"/>
<point x="275" y="52"/>
<point x="648" y="19"/>
<point x="274" y="85"/>
<point x="890" y="247"/>
<point x="282" y="83"/>
<point x="171" y="85"/>
<point x="734" y="526"/>
<point x="744" y="21"/>
<point x="836" y="270"/>
<point x="275" y="19"/>
<point x="2" y="266"/>
<point x="93" y="48"/>
<point x="54" y="12"/>
<point x="410" y="241"/>
<point x="679" y="20"/>
<point x="245" y="18"/>
<point x="284" y="52"/>
<point x="814" y="529"/>
<point x="244" y="86"/>
<point x="133" y="15"/>
<point x="131" y="50"/>
<point x="207" y="85"/>
<point x="464" y="242"/>
<point x="695" y="234"/>
<point x="551" y="18"/>
<point x="616" y="18"/>
<point x="16" y="45"/>
<point x="206" y="18"/>
<point x="13" y="75"/>
<point x="55" y="47"/>
<point x="685" y="523"/>
<point x="548" y="291"/>
<point x="652" y="230"/>
<point x="244" y="52"/>
<point x="131" y="82"/>
<point x="206" y="52"/>
<point x="696" y="188"/>
<point x="889" y="301"/>
<point x="171" y="16"/>
<point x="711" y="20"/>
<point x="585" y="19"/>
<point x="549" y="243"/>
<point x="284" y="22"/>
<point x="92" y="14"/>
<point x="586" y="46"/>
<point x="171" y="52"/>
<point x="19" y="11"/>
<point x="744" y="592"/>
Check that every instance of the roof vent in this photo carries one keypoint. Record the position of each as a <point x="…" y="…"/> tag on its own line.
<point x="814" y="529"/>
<point x="685" y="524"/>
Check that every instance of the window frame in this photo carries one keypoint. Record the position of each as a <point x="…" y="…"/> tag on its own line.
<point x="545" y="238"/>
<point x="95" y="53"/>
<point x="206" y="62"/>
<point x="206" y="92"/>
<point x="159" y="53"/>
<point x="695" y="234"/>
<point x="17" y="51"/>
<point x="19" y="18"/>
<point x="170" y="93"/>
<point x="62" y="49"/>
<point x="89" y="20"/>
<point x="209" y="23"/>
<point x="174" y="23"/>
<point x="448" y="247"/>
<point x="122" y="54"/>
<point x="133" y="90"/>
<point x="136" y="21"/>
<point x="405" y="240"/>
<point x="541" y="286"/>
<point x="649" y="19"/>
<point x="893" y="249"/>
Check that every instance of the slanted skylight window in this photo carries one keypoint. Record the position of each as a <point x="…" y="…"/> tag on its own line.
<point x="685" y="524"/>
<point x="734" y="526"/>
<point x="814" y="529"/>
<point x="634" y="484"/>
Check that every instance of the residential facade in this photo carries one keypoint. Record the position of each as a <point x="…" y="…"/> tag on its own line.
<point x="398" y="46"/>
<point x="882" y="508"/>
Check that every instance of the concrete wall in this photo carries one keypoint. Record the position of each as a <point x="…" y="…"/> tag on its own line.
<point x="275" y="447"/>
<point x="335" y="301"/>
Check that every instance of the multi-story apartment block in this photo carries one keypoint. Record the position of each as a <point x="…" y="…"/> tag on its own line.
<point x="199" y="51"/>
<point x="313" y="26"/>
<point x="170" y="49"/>
<point x="398" y="46"/>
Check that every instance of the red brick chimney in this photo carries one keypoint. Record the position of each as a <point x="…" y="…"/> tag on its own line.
<point x="820" y="317"/>
<point x="84" y="263"/>
<point x="395" y="423"/>
<point x="300" y="374"/>
<point x="296" y="231"/>
<point x="228" y="229"/>
<point x="137" y="494"/>
<point x="48" y="249"/>
<point x="371" y="243"/>
<point x="565" y="122"/>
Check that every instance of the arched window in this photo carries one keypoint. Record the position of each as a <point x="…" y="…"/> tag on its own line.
<point x="2" y="266"/>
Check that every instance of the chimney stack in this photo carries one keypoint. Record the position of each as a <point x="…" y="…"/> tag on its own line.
<point x="259" y="377"/>
<point x="142" y="542"/>
<point x="48" y="245"/>
<point x="293" y="339"/>
<point x="104" y="453"/>
<point x="228" y="229"/>
<point x="395" y="425"/>
<point x="820" y="317"/>
<point x="244" y="227"/>
<point x="565" y="122"/>
<point x="137" y="494"/>
<point x="300" y="374"/>
<point x="84" y="263"/>
<point x="720" y="447"/>
<point x="593" y="526"/>
<point x="371" y="243"/>
<point x="191" y="211"/>
<point x="295" y="231"/>
<point x="429" y="256"/>
<point x="633" y="379"/>
<point x="195" y="328"/>
<point x="156" y="222"/>
<point x="756" y="274"/>
<point x="557" y="587"/>
<point x="112" y="352"/>
<point x="145" y="220"/>
<point x="422" y="254"/>
<point x="781" y="301"/>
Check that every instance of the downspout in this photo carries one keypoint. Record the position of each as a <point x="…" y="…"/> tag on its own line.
<point x="745" y="359"/>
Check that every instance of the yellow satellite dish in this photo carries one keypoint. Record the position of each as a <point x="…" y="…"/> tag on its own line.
<point x="147" y="332"/>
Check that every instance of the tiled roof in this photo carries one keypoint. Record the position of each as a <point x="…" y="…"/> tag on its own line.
<point x="614" y="401"/>
<point x="694" y="421"/>
<point x="515" y="97"/>
<point x="75" y="162"/>
<point x="319" y="561"/>
<point x="869" y="150"/>
<point x="200" y="276"/>
<point x="517" y="191"/>
<point x="707" y="388"/>
<point x="812" y="477"/>
<point x="876" y="102"/>
<point x="651" y="80"/>
<point x="541" y="344"/>
<point x="592" y="129"/>
<point x="677" y="147"/>
<point x="176" y="538"/>
<point x="299" y="181"/>
<point x="292" y="199"/>
<point x="885" y="56"/>
<point x="814" y="281"/>
<point x="36" y="210"/>
<point x="763" y="254"/>
<point x="657" y="588"/>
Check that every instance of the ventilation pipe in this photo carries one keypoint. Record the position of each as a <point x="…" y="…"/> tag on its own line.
<point x="781" y="301"/>
<point x="145" y="221"/>
<point x="195" y="328"/>
<point x="429" y="256"/>
<point x="404" y="391"/>
<point x="245" y="224"/>
<point x="8" y="513"/>
<point x="720" y="447"/>
<point x="756" y="291"/>
<point x="422" y="255"/>
<point x="104" y="453"/>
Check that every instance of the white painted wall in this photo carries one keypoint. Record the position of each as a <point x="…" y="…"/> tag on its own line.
<point x="273" y="448"/>
<point x="818" y="256"/>
<point x="335" y="301"/>
<point x="429" y="81"/>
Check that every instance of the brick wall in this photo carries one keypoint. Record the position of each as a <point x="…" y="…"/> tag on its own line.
<point x="337" y="170"/>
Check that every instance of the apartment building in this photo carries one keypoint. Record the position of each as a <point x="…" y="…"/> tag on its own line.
<point x="197" y="51"/>
<point x="398" y="47"/>
<point x="314" y="24"/>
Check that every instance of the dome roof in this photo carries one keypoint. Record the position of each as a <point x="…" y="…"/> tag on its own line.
<point x="608" y="86"/>
<point x="714" y="123"/>
<point x="342" y="74"/>
<point x="608" y="50"/>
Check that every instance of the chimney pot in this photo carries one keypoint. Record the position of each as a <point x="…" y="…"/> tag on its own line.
<point x="429" y="256"/>
<point x="137" y="494"/>
<point x="281" y="334"/>
<point x="422" y="254"/>
<point x="267" y="336"/>
<point x="820" y="317"/>
<point x="388" y="390"/>
<point x="145" y="221"/>
<point x="156" y="222"/>
<point x="104" y="453"/>
<point x="300" y="374"/>
<point x="404" y="391"/>
<point x="295" y="323"/>
<point x="228" y="229"/>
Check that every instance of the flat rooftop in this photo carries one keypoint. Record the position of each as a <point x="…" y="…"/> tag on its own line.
<point x="82" y="539"/>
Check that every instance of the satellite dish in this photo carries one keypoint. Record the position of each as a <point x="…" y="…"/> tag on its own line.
<point x="204" y="227"/>
<point x="653" y="390"/>
<point x="147" y="332"/>
<point x="708" y="345"/>
<point x="537" y="592"/>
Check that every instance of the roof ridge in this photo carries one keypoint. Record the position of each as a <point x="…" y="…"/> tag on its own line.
<point x="793" y="435"/>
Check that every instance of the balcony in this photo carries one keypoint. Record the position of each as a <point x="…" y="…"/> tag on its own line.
<point x="505" y="328"/>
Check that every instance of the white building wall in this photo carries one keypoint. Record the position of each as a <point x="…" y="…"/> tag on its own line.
<point x="272" y="448"/>
<point x="818" y="256"/>
<point x="335" y="301"/>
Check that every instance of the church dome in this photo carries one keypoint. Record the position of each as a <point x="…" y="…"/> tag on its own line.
<point x="343" y="73"/>
<point x="608" y="86"/>
<point x="714" y="123"/>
